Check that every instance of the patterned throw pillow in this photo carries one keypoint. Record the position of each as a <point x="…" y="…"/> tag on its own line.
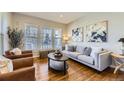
<point x="17" y="51"/>
<point x="80" y="49"/>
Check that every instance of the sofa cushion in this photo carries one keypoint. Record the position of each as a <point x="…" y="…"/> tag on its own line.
<point x="87" y="51"/>
<point x="65" y="52"/>
<point x="80" y="49"/>
<point x="74" y="54"/>
<point x="87" y="59"/>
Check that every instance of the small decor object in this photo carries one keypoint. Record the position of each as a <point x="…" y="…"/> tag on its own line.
<point x="15" y="37"/>
<point x="57" y="53"/>
<point x="97" y="32"/>
<point x="16" y="51"/>
<point x="77" y="34"/>
<point x="122" y="48"/>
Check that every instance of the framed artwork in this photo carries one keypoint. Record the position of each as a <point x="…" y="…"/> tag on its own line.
<point x="77" y="34"/>
<point x="97" y="32"/>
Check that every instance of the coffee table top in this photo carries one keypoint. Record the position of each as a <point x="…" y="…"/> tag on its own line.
<point x="63" y="58"/>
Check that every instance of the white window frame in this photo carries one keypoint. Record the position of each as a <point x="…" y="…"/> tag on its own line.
<point x="40" y="37"/>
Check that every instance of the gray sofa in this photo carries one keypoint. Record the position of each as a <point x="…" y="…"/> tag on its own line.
<point x="96" y="57"/>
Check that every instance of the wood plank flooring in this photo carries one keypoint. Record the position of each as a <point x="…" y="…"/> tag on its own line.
<point x="75" y="72"/>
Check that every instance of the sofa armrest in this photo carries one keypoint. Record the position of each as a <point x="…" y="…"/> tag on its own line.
<point x="22" y="62"/>
<point x="104" y="60"/>
<point x="23" y="74"/>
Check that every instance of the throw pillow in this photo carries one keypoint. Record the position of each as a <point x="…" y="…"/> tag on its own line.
<point x="80" y="49"/>
<point x="70" y="48"/>
<point x="95" y="50"/>
<point x="7" y="52"/>
<point x="12" y="53"/>
<point x="87" y="51"/>
<point x="17" y="51"/>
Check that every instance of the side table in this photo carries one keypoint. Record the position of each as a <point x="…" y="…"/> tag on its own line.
<point x="118" y="61"/>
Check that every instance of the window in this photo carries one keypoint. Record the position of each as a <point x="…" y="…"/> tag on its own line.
<point x="31" y="37"/>
<point x="47" y="38"/>
<point x="58" y="38"/>
<point x="51" y="38"/>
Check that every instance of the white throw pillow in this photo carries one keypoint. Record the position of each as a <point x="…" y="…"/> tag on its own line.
<point x="95" y="50"/>
<point x="80" y="49"/>
<point x="17" y="51"/>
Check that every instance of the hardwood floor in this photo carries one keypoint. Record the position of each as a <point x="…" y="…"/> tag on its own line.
<point x="75" y="72"/>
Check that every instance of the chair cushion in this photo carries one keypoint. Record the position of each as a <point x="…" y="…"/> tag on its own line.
<point x="87" y="59"/>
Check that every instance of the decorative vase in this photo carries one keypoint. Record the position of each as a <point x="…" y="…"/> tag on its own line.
<point x="57" y="53"/>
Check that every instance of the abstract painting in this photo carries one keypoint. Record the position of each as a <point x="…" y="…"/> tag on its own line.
<point x="97" y="32"/>
<point x="77" y="34"/>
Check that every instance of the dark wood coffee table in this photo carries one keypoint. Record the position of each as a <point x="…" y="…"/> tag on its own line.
<point x="58" y="59"/>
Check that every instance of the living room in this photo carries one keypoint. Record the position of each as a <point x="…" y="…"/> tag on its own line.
<point x="91" y="43"/>
<point x="61" y="46"/>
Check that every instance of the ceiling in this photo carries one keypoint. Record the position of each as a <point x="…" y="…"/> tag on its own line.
<point x="61" y="17"/>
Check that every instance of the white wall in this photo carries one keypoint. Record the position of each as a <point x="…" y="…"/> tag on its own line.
<point x="20" y="20"/>
<point x="115" y="29"/>
<point x="6" y="21"/>
<point x="115" y="26"/>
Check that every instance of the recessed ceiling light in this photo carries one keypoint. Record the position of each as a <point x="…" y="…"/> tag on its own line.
<point x="61" y="15"/>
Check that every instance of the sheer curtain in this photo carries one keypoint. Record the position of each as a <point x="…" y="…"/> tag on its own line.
<point x="31" y="37"/>
<point x="1" y="36"/>
<point x="51" y="38"/>
<point x="58" y="39"/>
<point x="47" y="35"/>
<point x="43" y="39"/>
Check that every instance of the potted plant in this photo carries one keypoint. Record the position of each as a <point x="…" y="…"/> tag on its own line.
<point x="15" y="37"/>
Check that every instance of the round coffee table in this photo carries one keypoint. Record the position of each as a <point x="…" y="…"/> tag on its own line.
<point x="57" y="60"/>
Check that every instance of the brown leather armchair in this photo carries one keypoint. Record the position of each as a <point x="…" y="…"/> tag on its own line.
<point x="27" y="53"/>
<point x="23" y="70"/>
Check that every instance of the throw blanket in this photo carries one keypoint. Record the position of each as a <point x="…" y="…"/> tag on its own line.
<point x="5" y="65"/>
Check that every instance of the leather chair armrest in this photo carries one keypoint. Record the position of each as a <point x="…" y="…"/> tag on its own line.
<point x="18" y="56"/>
<point x="23" y="74"/>
<point x="22" y="62"/>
